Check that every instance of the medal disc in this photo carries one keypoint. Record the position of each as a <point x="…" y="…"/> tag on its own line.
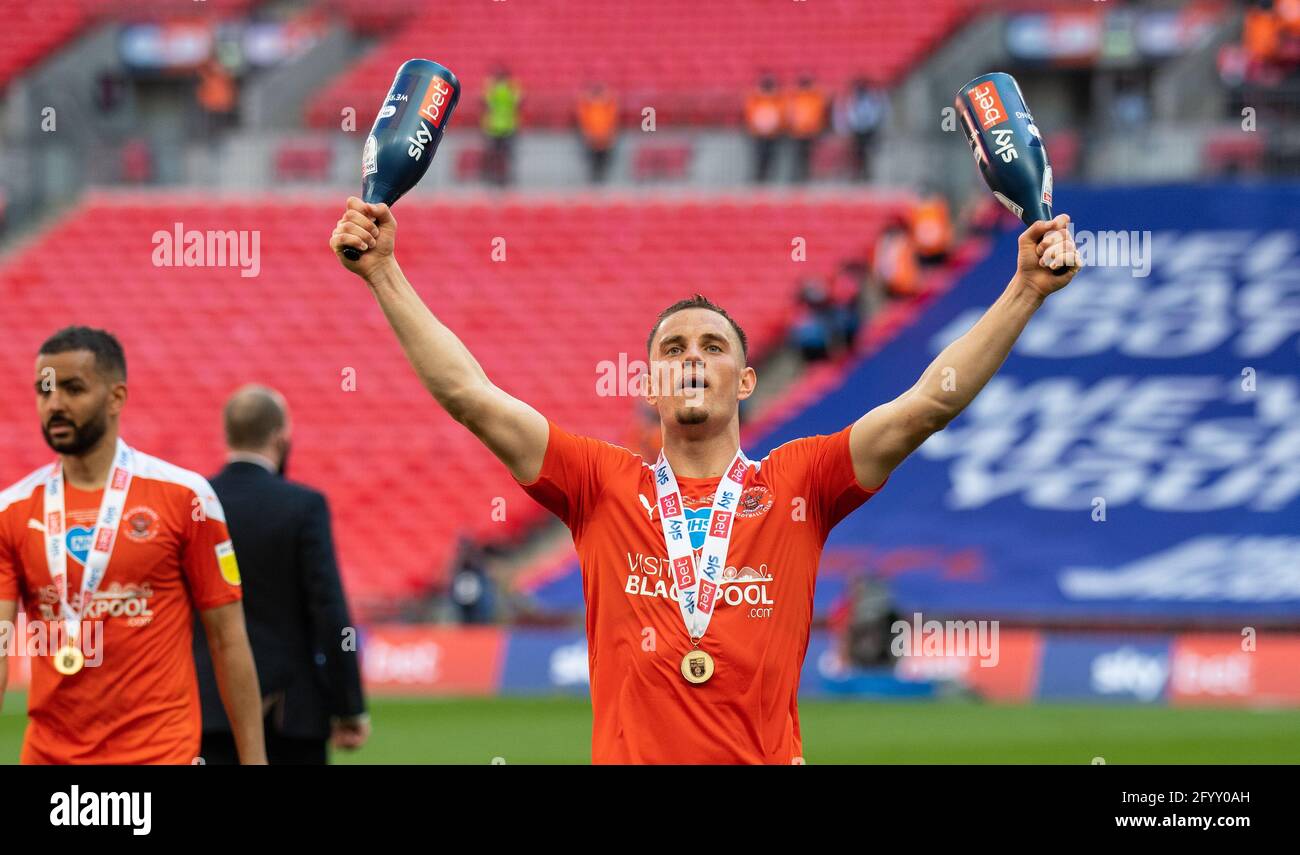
<point x="697" y="666"/>
<point x="68" y="660"/>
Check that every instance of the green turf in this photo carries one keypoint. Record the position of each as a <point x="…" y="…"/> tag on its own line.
<point x="558" y="730"/>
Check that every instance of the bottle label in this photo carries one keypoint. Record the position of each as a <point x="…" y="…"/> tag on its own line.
<point x="1010" y="206"/>
<point x="369" y="156"/>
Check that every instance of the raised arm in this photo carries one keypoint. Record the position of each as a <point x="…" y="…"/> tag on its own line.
<point x="512" y="430"/>
<point x="883" y="438"/>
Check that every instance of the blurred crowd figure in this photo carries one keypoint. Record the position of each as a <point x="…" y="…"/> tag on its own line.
<point x="217" y="94"/>
<point x="502" y="97"/>
<point x="1130" y="103"/>
<point x="807" y="112"/>
<point x="1261" y="73"/>
<point x="1269" y="51"/>
<point x="860" y="114"/>
<point x="597" y="117"/>
<point x="830" y="312"/>
<point x="472" y="589"/>
<point x="803" y="115"/>
<point x="764" y="121"/>
<point x="861" y="622"/>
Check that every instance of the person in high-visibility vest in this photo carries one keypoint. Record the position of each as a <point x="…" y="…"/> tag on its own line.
<point x="893" y="260"/>
<point x="765" y="120"/>
<point x="932" y="229"/>
<point x="598" y="125"/>
<point x="806" y="115"/>
<point x="501" y="100"/>
<point x="217" y="93"/>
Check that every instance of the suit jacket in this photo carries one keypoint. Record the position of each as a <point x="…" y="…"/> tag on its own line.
<point x="293" y="606"/>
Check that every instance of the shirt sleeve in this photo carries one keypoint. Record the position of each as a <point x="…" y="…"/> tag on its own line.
<point x="10" y="589"/>
<point x="833" y="481"/>
<point x="834" y="491"/>
<point x="571" y="476"/>
<point x="209" y="560"/>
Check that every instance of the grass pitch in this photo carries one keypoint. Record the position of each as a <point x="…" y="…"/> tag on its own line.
<point x="558" y="730"/>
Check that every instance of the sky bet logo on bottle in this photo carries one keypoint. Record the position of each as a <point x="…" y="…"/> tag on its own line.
<point x="986" y="98"/>
<point x="434" y="109"/>
<point x="436" y="100"/>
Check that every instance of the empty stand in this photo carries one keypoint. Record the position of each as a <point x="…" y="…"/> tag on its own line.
<point x="690" y="61"/>
<point x="32" y="30"/>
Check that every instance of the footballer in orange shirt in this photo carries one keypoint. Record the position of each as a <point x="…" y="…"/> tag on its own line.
<point x="110" y="552"/>
<point x="698" y="568"/>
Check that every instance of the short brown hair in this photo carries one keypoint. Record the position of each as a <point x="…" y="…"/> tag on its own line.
<point x="252" y="416"/>
<point x="698" y="301"/>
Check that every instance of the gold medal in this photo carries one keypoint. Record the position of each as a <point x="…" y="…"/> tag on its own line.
<point x="69" y="660"/>
<point x="697" y="666"/>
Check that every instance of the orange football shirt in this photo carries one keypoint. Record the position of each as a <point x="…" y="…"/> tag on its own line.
<point x="644" y="711"/>
<point x="137" y="698"/>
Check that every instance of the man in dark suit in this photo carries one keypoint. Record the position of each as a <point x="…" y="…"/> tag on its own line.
<point x="304" y="643"/>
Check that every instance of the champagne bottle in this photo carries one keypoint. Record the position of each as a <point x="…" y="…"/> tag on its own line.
<point x="406" y="133"/>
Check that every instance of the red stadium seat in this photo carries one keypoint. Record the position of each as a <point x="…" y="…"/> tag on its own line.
<point x="691" y="61"/>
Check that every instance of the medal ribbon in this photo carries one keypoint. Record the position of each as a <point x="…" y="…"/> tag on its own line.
<point x="102" y="539"/>
<point x="698" y="582"/>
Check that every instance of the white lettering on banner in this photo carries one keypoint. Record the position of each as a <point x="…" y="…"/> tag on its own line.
<point x="1056" y="444"/>
<point x="1182" y="310"/>
<point x="1208" y="568"/>
<point x="950" y="638"/>
<point x="1225" y="674"/>
<point x="569" y="665"/>
<point x="414" y="663"/>
<point x="1129" y="671"/>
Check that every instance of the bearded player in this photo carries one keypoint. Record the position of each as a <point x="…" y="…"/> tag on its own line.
<point x="111" y="552"/>
<point x="683" y="669"/>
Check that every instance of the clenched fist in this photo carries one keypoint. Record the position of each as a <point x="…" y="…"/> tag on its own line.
<point x="368" y="228"/>
<point x="1046" y="246"/>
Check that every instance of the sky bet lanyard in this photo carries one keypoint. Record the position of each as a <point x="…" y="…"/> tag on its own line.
<point x="698" y="583"/>
<point x="68" y="659"/>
